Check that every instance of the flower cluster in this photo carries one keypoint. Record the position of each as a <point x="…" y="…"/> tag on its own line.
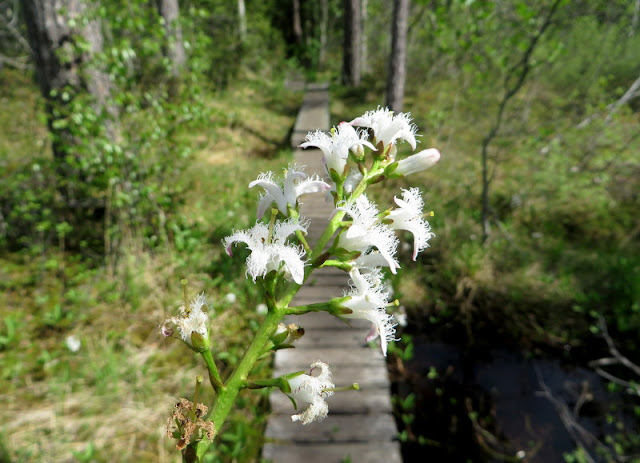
<point x="365" y="237"/>
<point x="270" y="249"/>
<point x="360" y="239"/>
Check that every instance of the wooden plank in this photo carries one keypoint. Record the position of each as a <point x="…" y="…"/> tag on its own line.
<point x="370" y="452"/>
<point x="334" y="356"/>
<point x="320" y="293"/>
<point x="339" y="280"/>
<point x="321" y="338"/>
<point x="329" y="272"/>
<point x="323" y="320"/>
<point x="372" y="400"/>
<point x="313" y="114"/>
<point x="368" y="377"/>
<point x="339" y="428"/>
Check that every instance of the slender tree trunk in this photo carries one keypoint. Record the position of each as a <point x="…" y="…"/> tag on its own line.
<point x="324" y="25"/>
<point x="635" y="19"/>
<point x="397" y="60"/>
<point x="169" y="10"/>
<point x="352" y="43"/>
<point x="242" y="20"/>
<point x="53" y="26"/>
<point x="297" y="22"/>
<point x="364" y="48"/>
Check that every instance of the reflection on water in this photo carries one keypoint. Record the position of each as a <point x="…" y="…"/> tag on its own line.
<point x="488" y="407"/>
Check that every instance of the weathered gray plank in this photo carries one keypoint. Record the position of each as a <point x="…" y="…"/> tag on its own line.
<point x="313" y="113"/>
<point x="334" y="356"/>
<point x="321" y="293"/>
<point x="323" y="320"/>
<point x="338" y="428"/>
<point x="367" y="401"/>
<point x="371" y="452"/>
<point x="321" y="338"/>
<point x="368" y="377"/>
<point x="340" y="280"/>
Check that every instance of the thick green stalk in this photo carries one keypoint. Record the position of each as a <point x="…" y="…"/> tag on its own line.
<point x="227" y="396"/>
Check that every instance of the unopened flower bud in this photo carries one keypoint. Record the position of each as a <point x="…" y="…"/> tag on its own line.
<point x="358" y="152"/>
<point x="295" y="331"/>
<point x="418" y="162"/>
<point x="199" y="343"/>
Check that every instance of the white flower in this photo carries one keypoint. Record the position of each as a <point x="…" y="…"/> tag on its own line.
<point x="73" y="343"/>
<point x="408" y="216"/>
<point x="418" y="162"/>
<point x="268" y="253"/>
<point x="296" y="183"/>
<point x="366" y="232"/>
<point x="312" y="389"/>
<point x="230" y="298"/>
<point x="368" y="301"/>
<point x="194" y="319"/>
<point x="387" y="127"/>
<point x="336" y="146"/>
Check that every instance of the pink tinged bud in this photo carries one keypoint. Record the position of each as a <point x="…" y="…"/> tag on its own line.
<point x="418" y="162"/>
<point x="166" y="331"/>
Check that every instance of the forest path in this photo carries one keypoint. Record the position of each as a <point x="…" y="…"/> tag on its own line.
<point x="360" y="427"/>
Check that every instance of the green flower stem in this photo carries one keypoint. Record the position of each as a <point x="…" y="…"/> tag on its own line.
<point x="227" y="395"/>
<point x="334" y="224"/>
<point x="302" y="309"/>
<point x="214" y="375"/>
<point x="280" y="383"/>
<point x="294" y="214"/>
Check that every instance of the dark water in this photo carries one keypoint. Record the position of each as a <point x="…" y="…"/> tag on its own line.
<point x="487" y="406"/>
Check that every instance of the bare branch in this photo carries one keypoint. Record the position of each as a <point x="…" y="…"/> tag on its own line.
<point x="616" y="359"/>
<point x="632" y="92"/>
<point x="21" y="63"/>
<point x="584" y="439"/>
<point x="15" y="32"/>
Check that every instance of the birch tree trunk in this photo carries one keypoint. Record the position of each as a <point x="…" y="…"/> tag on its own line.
<point x="297" y="22"/>
<point x="170" y="12"/>
<point x="352" y="43"/>
<point x="364" y="47"/>
<point x="54" y="27"/>
<point x="324" y="24"/>
<point x="397" y="60"/>
<point x="635" y="18"/>
<point x="242" y="20"/>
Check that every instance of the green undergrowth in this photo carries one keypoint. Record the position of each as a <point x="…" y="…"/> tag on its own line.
<point x="111" y="398"/>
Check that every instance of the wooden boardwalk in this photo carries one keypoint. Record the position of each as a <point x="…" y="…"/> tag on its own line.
<point x="360" y="427"/>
